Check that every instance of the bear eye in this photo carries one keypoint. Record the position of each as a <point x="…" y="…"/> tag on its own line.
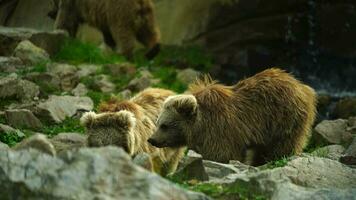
<point x="164" y="126"/>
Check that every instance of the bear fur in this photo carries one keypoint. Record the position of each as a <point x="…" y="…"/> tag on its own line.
<point x="259" y="119"/>
<point x="122" y="22"/>
<point x="129" y="124"/>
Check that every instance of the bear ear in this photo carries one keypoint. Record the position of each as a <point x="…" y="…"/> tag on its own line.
<point x="88" y="119"/>
<point x="125" y="119"/>
<point x="185" y="105"/>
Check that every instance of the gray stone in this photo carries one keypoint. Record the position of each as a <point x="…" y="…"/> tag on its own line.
<point x="121" y="69"/>
<point x="37" y="141"/>
<point x="103" y="83"/>
<point x="22" y="118"/>
<point x="332" y="131"/>
<point x="3" y="146"/>
<point x="80" y="90"/>
<point x="68" y="141"/>
<point x="301" y="178"/>
<point x="97" y="173"/>
<point x="67" y="74"/>
<point x="86" y="70"/>
<point x="349" y="157"/>
<point x="333" y="152"/>
<point x="144" y="160"/>
<point x="10" y="64"/>
<point x="142" y="82"/>
<point x="8" y="129"/>
<point x="30" y="53"/>
<point x="191" y="168"/>
<point x="188" y="76"/>
<point x="48" y="80"/>
<point x="58" y="108"/>
<point x="125" y="94"/>
<point x="15" y="88"/>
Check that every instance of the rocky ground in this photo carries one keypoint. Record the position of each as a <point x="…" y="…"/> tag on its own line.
<point x="47" y="81"/>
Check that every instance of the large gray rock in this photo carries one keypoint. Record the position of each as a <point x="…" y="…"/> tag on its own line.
<point x="22" y="118"/>
<point x="12" y="87"/>
<point x="332" y="131"/>
<point x="86" y="70"/>
<point x="103" y="83"/>
<point x="50" y="41"/>
<point x="302" y="178"/>
<point x="30" y="53"/>
<point x="105" y="173"/>
<point x="349" y="157"/>
<point x="39" y="142"/>
<point x="67" y="74"/>
<point x="3" y="146"/>
<point x="68" y="141"/>
<point x="191" y="168"/>
<point x="80" y="90"/>
<point x="47" y="81"/>
<point x="58" y="108"/>
<point x="10" y="64"/>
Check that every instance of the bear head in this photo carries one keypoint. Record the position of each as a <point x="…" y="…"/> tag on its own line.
<point x="178" y="115"/>
<point x="110" y="129"/>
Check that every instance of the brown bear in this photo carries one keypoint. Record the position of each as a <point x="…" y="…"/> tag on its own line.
<point x="121" y="22"/>
<point x="259" y="119"/>
<point x="129" y="124"/>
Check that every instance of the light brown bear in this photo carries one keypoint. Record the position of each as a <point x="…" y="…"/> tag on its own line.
<point x="122" y="22"/>
<point x="259" y="119"/>
<point x="129" y="124"/>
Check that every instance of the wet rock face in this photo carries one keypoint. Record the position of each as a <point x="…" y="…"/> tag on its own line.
<point x="105" y="173"/>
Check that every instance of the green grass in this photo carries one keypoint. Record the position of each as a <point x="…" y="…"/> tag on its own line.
<point x="10" y="138"/>
<point x="277" y="163"/>
<point x="68" y="125"/>
<point x="75" y="52"/>
<point x="98" y="97"/>
<point x="168" y="77"/>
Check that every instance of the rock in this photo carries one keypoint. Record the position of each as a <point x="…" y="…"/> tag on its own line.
<point x="50" y="41"/>
<point x="3" y="146"/>
<point x="103" y="83"/>
<point x="352" y="125"/>
<point x="86" y="70"/>
<point x="47" y="81"/>
<point x="125" y="94"/>
<point x="15" y="88"/>
<point x="349" y="157"/>
<point x="301" y="178"/>
<point x="103" y="173"/>
<point x="142" y="82"/>
<point x="191" y="168"/>
<point x="8" y="129"/>
<point x="58" y="108"/>
<point x="188" y="76"/>
<point x="66" y="73"/>
<point x="144" y="160"/>
<point x="333" y="132"/>
<point x="120" y="69"/>
<point x="37" y="141"/>
<point x="68" y="141"/>
<point x="22" y="118"/>
<point x="80" y="90"/>
<point x="345" y="108"/>
<point x="29" y="53"/>
<point x="10" y="64"/>
<point x="333" y="152"/>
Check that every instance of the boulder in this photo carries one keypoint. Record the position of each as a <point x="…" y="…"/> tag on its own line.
<point x="86" y="70"/>
<point x="10" y="64"/>
<point x="142" y="82"/>
<point x="3" y="146"/>
<point x="221" y="172"/>
<point x="67" y="74"/>
<point x="302" y="178"/>
<point x="80" y="90"/>
<point x="58" y="108"/>
<point x="332" y="131"/>
<point x="349" y="157"/>
<point x="49" y="82"/>
<point x="103" y="173"/>
<point x="39" y="142"/>
<point x="121" y="69"/>
<point x="125" y="94"/>
<point x="30" y="54"/>
<point x="188" y="76"/>
<point x="12" y="87"/>
<point x="68" y="141"/>
<point x="22" y="118"/>
<point x="333" y="152"/>
<point x="144" y="160"/>
<point x="102" y="83"/>
<point x="191" y="168"/>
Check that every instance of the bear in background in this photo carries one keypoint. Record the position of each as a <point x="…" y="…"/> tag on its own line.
<point x="129" y="124"/>
<point x="259" y="119"/>
<point x="122" y="22"/>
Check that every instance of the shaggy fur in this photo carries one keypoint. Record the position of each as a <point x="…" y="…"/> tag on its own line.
<point x="263" y="117"/>
<point x="121" y="21"/>
<point x="129" y="124"/>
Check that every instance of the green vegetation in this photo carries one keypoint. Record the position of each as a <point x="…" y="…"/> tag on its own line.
<point x="168" y="79"/>
<point x="277" y="163"/>
<point x="68" y="125"/>
<point x="10" y="138"/>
